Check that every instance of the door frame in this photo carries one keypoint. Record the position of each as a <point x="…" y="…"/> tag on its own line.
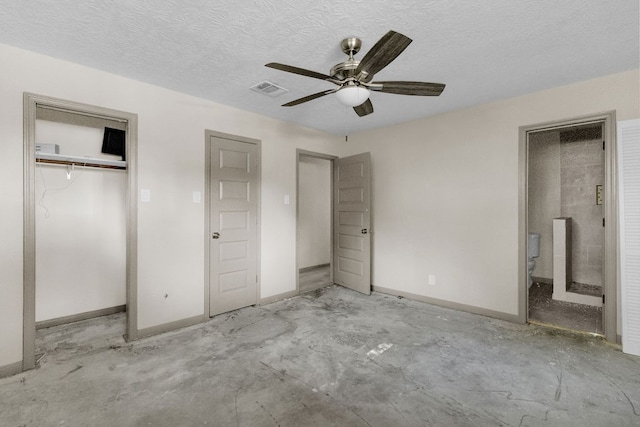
<point x="30" y="104"/>
<point x="207" y="211"/>
<point x="610" y="267"/>
<point x="332" y="159"/>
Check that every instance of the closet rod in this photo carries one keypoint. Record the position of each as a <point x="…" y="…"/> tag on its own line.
<point x="80" y="164"/>
<point x="58" y="159"/>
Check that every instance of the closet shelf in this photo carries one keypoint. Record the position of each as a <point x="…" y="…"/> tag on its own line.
<point x="61" y="159"/>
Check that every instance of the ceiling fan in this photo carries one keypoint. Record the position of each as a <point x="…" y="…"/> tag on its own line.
<point x="354" y="77"/>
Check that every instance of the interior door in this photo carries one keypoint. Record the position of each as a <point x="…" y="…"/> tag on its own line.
<point x="351" y="219"/>
<point x="233" y="280"/>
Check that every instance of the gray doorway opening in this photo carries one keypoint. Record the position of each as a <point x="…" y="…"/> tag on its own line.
<point x="349" y="221"/>
<point x="314" y="225"/>
<point x="568" y="233"/>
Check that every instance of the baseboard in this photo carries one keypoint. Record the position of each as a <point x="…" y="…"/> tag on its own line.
<point x="279" y="297"/>
<point x="313" y="267"/>
<point x="11" y="369"/>
<point x="513" y="318"/>
<point x="80" y="316"/>
<point x="168" y="327"/>
<point x="542" y="280"/>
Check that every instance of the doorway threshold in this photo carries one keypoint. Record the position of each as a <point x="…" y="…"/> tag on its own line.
<point x="569" y="331"/>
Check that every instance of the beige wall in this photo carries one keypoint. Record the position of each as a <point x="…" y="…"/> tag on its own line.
<point x="171" y="150"/>
<point x="445" y="190"/>
<point x="314" y="211"/>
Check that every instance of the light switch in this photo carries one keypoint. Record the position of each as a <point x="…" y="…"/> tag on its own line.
<point x="197" y="197"/>
<point x="145" y="195"/>
<point x="286" y="199"/>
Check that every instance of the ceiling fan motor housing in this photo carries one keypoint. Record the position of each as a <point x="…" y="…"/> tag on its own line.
<point x="344" y="69"/>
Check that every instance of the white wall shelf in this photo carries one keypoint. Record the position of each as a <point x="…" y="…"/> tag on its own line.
<point x="61" y="159"/>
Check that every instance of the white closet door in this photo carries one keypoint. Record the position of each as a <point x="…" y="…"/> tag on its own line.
<point x="629" y="185"/>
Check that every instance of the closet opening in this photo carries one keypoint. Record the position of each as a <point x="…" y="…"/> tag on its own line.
<point x="79" y="232"/>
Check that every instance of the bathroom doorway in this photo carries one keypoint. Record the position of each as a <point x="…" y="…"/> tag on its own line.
<point x="570" y="229"/>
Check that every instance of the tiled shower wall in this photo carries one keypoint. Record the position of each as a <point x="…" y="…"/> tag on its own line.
<point x="581" y="170"/>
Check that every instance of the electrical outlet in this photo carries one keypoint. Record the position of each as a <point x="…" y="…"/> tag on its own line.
<point x="432" y="279"/>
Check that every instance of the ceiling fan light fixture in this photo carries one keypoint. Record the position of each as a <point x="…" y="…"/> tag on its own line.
<point x="354" y="77"/>
<point x="352" y="95"/>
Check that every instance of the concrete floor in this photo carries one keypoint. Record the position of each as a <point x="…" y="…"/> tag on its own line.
<point x="331" y="357"/>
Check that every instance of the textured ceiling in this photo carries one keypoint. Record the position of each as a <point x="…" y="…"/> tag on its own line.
<point x="482" y="50"/>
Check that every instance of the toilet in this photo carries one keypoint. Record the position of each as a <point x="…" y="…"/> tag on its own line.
<point x="533" y="251"/>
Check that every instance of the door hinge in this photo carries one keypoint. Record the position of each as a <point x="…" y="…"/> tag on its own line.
<point x="603" y="145"/>
<point x="602" y="298"/>
<point x="603" y="222"/>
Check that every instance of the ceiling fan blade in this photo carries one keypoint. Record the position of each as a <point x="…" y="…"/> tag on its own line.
<point x="308" y="98"/>
<point x="382" y="54"/>
<point x="296" y="70"/>
<point x="365" y="108"/>
<point x="410" y="88"/>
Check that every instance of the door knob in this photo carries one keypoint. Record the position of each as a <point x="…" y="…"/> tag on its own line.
<point x="215" y="235"/>
<point x="364" y="231"/>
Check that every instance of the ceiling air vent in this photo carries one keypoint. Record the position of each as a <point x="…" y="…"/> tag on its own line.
<point x="269" y="89"/>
